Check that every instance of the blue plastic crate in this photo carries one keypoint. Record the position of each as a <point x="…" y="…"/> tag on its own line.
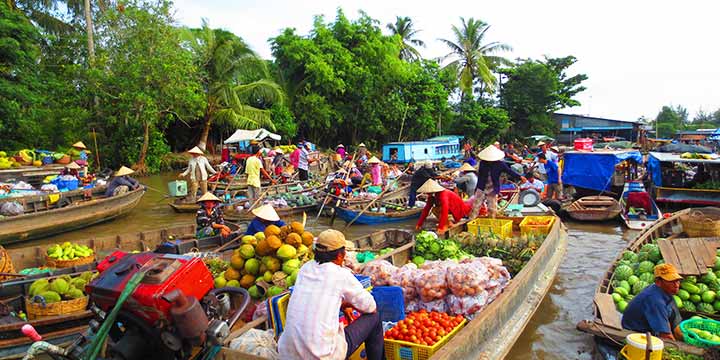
<point x="390" y="302"/>
<point x="364" y="280"/>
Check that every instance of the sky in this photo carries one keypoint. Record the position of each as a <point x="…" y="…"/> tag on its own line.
<point x="639" y="55"/>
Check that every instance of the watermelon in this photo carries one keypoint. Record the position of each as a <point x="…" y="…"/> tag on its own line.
<point x="708" y="278"/>
<point x="708" y="296"/>
<point x="702" y="288"/>
<point x="660" y="262"/>
<point x="717" y="263"/>
<point x="695" y="298"/>
<point x="621" y="306"/>
<point x="716" y="305"/>
<point x="678" y="301"/>
<point x="617" y="297"/>
<point x="646" y="267"/>
<point x="683" y="294"/>
<point x="654" y="254"/>
<point x="643" y="256"/>
<point x="622" y="272"/>
<point x="649" y="248"/>
<point x="622" y="291"/>
<point x="705" y="308"/>
<point x="688" y="306"/>
<point x="647" y="277"/>
<point x="630" y="256"/>
<point x="632" y="280"/>
<point x="639" y="286"/>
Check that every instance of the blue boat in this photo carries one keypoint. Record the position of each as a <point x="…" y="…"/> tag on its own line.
<point x="437" y="148"/>
<point x="376" y="218"/>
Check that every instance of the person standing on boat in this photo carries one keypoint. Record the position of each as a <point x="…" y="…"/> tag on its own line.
<point x="375" y="171"/>
<point x="323" y="288"/>
<point x="82" y="153"/>
<point x="362" y="154"/>
<point x="121" y="183"/>
<point x="554" y="182"/>
<point x="253" y="169"/>
<point x="488" y="186"/>
<point x="264" y="216"/>
<point x="277" y="162"/>
<point x="198" y="169"/>
<point x="340" y="154"/>
<point x="423" y="172"/>
<point x="653" y="309"/>
<point x="304" y="161"/>
<point x="442" y="202"/>
<point x="467" y="179"/>
<point x="209" y="217"/>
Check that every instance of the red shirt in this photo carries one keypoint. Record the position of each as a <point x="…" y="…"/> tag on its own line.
<point x="449" y="203"/>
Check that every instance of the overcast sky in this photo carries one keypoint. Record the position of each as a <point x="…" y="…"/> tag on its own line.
<point x="639" y="55"/>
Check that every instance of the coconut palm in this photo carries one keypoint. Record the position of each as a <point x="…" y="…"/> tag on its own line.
<point x="403" y="26"/>
<point x="233" y="78"/>
<point x="474" y="60"/>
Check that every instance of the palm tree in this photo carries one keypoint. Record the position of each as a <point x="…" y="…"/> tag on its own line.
<point x="474" y="60"/>
<point x="234" y="77"/>
<point x="403" y="26"/>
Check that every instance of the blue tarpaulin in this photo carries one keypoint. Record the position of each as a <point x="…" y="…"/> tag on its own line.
<point x="653" y="167"/>
<point x="594" y="170"/>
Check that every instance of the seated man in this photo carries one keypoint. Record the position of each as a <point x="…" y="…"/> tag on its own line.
<point x="264" y="216"/>
<point x="324" y="287"/>
<point x="532" y="183"/>
<point x="121" y="183"/>
<point x="654" y="309"/>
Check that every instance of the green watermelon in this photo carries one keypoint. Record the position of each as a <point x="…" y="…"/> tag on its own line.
<point x="695" y="298"/>
<point x="632" y="280"/>
<point x="717" y="263"/>
<point x="647" y="277"/>
<point x="646" y="267"/>
<point x="688" y="306"/>
<point x="683" y="294"/>
<point x="630" y="256"/>
<point x="678" y="301"/>
<point x="708" y="278"/>
<point x="705" y="308"/>
<point x="622" y="272"/>
<point x="639" y="286"/>
<point x="654" y="254"/>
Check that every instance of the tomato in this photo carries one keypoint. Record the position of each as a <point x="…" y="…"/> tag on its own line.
<point x="441" y="332"/>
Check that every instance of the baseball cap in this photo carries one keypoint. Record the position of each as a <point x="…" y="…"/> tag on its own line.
<point x="667" y="272"/>
<point x="329" y="240"/>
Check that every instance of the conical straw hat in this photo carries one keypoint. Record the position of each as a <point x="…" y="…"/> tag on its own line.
<point x="79" y="145"/>
<point x="340" y="146"/>
<point x="74" y="166"/>
<point x="266" y="212"/>
<point x="362" y="145"/>
<point x="374" y="160"/>
<point x="124" y="171"/>
<point x="196" y="150"/>
<point x="467" y="167"/>
<point x="208" y="196"/>
<point x="491" y="153"/>
<point x="430" y="186"/>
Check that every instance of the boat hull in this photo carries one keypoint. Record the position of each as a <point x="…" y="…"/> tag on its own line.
<point x="636" y="223"/>
<point x="368" y="218"/>
<point x="581" y="211"/>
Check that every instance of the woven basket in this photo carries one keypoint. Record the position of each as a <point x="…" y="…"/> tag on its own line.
<point x="699" y="224"/>
<point x="63" y="160"/>
<point x="36" y="311"/>
<point x="6" y="265"/>
<point x="58" y="264"/>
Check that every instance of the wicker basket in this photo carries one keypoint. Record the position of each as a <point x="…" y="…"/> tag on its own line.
<point x="63" y="160"/>
<point x="6" y="265"/>
<point x="58" y="264"/>
<point x="36" y="311"/>
<point x="701" y="224"/>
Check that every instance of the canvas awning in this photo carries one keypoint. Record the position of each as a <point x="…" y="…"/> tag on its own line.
<point x="248" y="135"/>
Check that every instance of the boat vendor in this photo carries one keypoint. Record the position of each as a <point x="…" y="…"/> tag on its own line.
<point x="393" y="172"/>
<point x="543" y="149"/>
<point x="121" y="183"/>
<point x="467" y="179"/>
<point x="423" y="172"/>
<point x="489" y="171"/>
<point x="554" y="182"/>
<point x="253" y="169"/>
<point x="442" y="202"/>
<point x="362" y="154"/>
<point x="264" y="216"/>
<point x="295" y="155"/>
<point x="304" y="161"/>
<point x="375" y="171"/>
<point x="277" y="162"/>
<point x="531" y="183"/>
<point x="82" y="152"/>
<point x="340" y="151"/>
<point x="198" y="169"/>
<point x="72" y="169"/>
<point x="314" y="332"/>
<point x="209" y="217"/>
<point x="654" y="308"/>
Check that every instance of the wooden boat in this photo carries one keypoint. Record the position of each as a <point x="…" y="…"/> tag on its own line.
<point x="594" y="208"/>
<point x="632" y="219"/>
<point x="348" y="213"/>
<point x="36" y="202"/>
<point x="491" y="334"/>
<point x="80" y="214"/>
<point x="606" y="323"/>
<point x="237" y="213"/>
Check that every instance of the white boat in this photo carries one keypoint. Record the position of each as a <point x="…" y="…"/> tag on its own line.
<point x="638" y="218"/>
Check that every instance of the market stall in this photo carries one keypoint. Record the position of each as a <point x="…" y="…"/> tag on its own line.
<point x="687" y="178"/>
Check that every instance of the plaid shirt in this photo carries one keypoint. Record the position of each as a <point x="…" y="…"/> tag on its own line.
<point x="204" y="219"/>
<point x="313" y="329"/>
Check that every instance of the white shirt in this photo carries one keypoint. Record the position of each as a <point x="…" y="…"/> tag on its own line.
<point x="537" y="185"/>
<point x="303" y="159"/>
<point x="199" y="163"/>
<point x="312" y="328"/>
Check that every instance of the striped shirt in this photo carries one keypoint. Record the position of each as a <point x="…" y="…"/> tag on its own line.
<point x="303" y="159"/>
<point x="313" y="329"/>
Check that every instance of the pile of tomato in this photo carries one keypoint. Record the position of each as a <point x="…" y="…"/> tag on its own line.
<point x="424" y="328"/>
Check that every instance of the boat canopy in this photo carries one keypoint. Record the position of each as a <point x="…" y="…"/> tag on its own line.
<point x="655" y="158"/>
<point x="248" y="135"/>
<point x="594" y="170"/>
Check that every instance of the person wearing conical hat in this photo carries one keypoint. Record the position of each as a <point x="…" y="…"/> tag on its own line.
<point x="121" y="183"/>
<point x="209" y="217"/>
<point x="82" y="153"/>
<point x="466" y="181"/>
<point x="197" y="172"/>
<point x="488" y="187"/>
<point x="423" y="172"/>
<point x="264" y="216"/>
<point x="362" y="154"/>
<point x="375" y="171"/>
<point x="72" y="169"/>
<point x="340" y="151"/>
<point x="443" y="203"/>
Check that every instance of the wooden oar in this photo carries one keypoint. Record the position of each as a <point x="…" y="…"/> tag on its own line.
<point x="373" y="200"/>
<point x="347" y="173"/>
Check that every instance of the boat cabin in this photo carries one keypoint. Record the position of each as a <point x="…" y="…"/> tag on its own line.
<point x="437" y="148"/>
<point x="689" y="178"/>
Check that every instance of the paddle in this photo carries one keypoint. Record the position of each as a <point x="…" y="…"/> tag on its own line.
<point x="375" y="199"/>
<point x="347" y="173"/>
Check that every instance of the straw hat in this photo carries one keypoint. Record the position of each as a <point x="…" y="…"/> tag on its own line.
<point x="491" y="153"/>
<point x="79" y="145"/>
<point x="73" y="166"/>
<point x="266" y="212"/>
<point x="208" y="196"/>
<point x="196" y="150"/>
<point x="541" y="143"/>
<point x="124" y="171"/>
<point x="554" y="148"/>
<point x="374" y="160"/>
<point x="467" y="167"/>
<point x="362" y="145"/>
<point x="340" y="146"/>
<point x="430" y="186"/>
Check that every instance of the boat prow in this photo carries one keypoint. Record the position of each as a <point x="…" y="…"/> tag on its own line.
<point x="633" y="220"/>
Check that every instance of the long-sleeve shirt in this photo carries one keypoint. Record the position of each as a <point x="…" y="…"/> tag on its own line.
<point x="493" y="169"/>
<point x="120" y="180"/>
<point x="312" y="329"/>
<point x="470" y="180"/>
<point x="303" y="161"/>
<point x="376" y="173"/>
<point x="203" y="219"/>
<point x="256" y="226"/>
<point x="295" y="158"/>
<point x="200" y="164"/>
<point x="449" y="203"/>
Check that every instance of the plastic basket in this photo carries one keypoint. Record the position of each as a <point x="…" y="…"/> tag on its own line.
<point x="496" y="226"/>
<point x="177" y="188"/>
<point x="390" y="302"/>
<point x="63" y="160"/>
<point x="703" y="324"/>
<point x="364" y="280"/>
<point x="527" y="229"/>
<point x="403" y="350"/>
<point x="36" y="310"/>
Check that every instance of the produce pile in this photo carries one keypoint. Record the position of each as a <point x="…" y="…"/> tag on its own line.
<point x="429" y="247"/>
<point x="266" y="263"/>
<point x="59" y="289"/>
<point x="68" y="251"/>
<point x="708" y="185"/>
<point x="688" y="155"/>
<point x="29" y="157"/>
<point x="286" y="149"/>
<point x="671" y="353"/>
<point x="290" y="200"/>
<point x="424" y="328"/>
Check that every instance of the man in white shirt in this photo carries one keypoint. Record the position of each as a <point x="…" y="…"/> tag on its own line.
<point x="304" y="161"/>
<point x="324" y="287"/>
<point x="532" y="183"/>
<point x="198" y="169"/>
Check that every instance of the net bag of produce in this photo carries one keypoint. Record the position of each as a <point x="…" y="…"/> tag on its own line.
<point x="379" y="272"/>
<point x="468" y="279"/>
<point x="430" y="282"/>
<point x="11" y="208"/>
<point x="467" y="306"/>
<point x="256" y="342"/>
<point x="439" y="305"/>
<point x="404" y="278"/>
<point x="499" y="275"/>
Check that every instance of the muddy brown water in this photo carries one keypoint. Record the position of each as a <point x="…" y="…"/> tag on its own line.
<point x="551" y="332"/>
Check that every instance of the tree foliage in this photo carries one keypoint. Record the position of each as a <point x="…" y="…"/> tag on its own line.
<point x="405" y="29"/>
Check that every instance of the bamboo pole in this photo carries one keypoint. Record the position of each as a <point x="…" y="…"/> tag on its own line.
<point x="97" y="152"/>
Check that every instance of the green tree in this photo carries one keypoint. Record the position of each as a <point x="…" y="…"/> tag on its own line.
<point x="404" y="28"/>
<point x="233" y="77"/>
<point x="473" y="59"/>
<point x="668" y="121"/>
<point x="480" y="122"/>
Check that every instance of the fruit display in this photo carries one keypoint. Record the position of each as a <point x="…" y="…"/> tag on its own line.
<point x="671" y="353"/>
<point x="708" y="185"/>
<point x="430" y="247"/>
<point x="514" y="253"/>
<point x="290" y="200"/>
<point x="68" y="251"/>
<point x="286" y="149"/>
<point x="266" y="263"/>
<point x="698" y="156"/>
<point x="424" y="328"/>
<point x="59" y="289"/>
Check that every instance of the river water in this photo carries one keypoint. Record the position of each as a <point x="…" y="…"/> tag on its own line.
<point x="550" y="334"/>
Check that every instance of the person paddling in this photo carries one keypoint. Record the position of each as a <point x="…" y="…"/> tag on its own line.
<point x="264" y="216"/>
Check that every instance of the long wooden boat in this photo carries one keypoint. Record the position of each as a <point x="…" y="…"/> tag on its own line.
<point x="491" y="334"/>
<point x="633" y="220"/>
<point x="238" y="213"/>
<point x="72" y="217"/>
<point x="348" y="213"/>
<point x="606" y="323"/>
<point x="44" y="201"/>
<point x="594" y="208"/>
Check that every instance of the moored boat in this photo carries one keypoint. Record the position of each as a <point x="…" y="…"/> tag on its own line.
<point x="37" y="202"/>
<point x="594" y="208"/>
<point x="638" y="218"/>
<point x="386" y="211"/>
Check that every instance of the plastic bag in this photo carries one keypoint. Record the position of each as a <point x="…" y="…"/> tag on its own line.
<point x="430" y="282"/>
<point x="261" y="310"/>
<point x="21" y="185"/>
<point x="467" y="306"/>
<point x="404" y="278"/>
<point x="49" y="188"/>
<point x="11" y="208"/>
<point x="379" y="272"/>
<point x="352" y="263"/>
<point x="257" y="342"/>
<point x="468" y="279"/>
<point x="435" y="305"/>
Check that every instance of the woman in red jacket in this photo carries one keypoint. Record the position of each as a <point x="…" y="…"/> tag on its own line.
<point x="442" y="202"/>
